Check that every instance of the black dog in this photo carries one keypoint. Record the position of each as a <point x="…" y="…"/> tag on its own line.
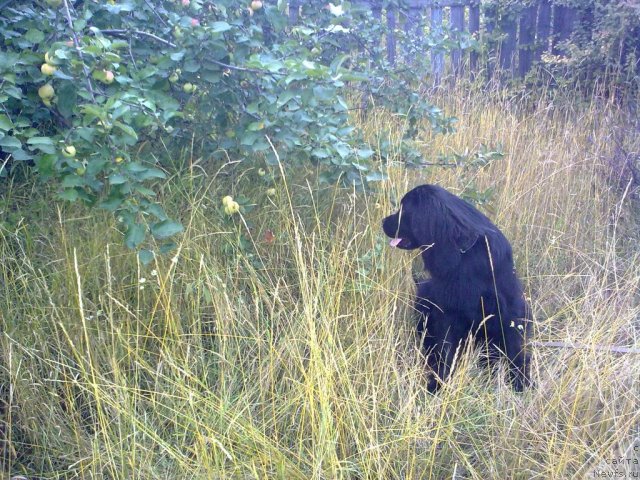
<point x="473" y="290"/>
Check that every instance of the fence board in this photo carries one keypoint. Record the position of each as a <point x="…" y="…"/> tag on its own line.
<point x="294" y="11"/>
<point x="508" y="45"/>
<point x="526" y="39"/>
<point x="544" y="29"/>
<point x="541" y="26"/>
<point x="391" y="38"/>
<point x="474" y="29"/>
<point x="457" y="25"/>
<point x="563" y="19"/>
<point x="437" y="57"/>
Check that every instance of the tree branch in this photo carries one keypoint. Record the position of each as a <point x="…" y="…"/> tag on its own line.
<point x="582" y="346"/>
<point x="140" y="33"/>
<point x="76" y="43"/>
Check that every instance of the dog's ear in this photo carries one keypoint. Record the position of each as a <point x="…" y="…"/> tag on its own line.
<point x="442" y="218"/>
<point x="468" y="223"/>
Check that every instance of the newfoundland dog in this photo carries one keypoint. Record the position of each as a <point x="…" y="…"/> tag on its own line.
<point x="473" y="290"/>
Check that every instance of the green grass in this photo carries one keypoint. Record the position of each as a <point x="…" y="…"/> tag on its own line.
<point x="246" y="356"/>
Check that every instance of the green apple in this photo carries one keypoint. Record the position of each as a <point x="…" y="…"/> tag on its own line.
<point x="69" y="151"/>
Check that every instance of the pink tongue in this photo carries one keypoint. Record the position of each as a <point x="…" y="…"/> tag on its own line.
<point x="395" y="242"/>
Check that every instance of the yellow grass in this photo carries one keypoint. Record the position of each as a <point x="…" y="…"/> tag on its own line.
<point x="295" y="358"/>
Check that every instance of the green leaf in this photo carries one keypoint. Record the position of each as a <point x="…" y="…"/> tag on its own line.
<point x="20" y="155"/>
<point x="134" y="236"/>
<point x="219" y="27"/>
<point x="343" y="149"/>
<point x="126" y="129"/>
<point x="67" y="99"/>
<point x="364" y="153"/>
<point x="286" y="97"/>
<point x="72" y="180"/>
<point x="111" y="204"/>
<point x="376" y="177"/>
<point x="10" y="142"/>
<point x="150" y="172"/>
<point x="14" y="92"/>
<point x="177" y="56"/>
<point x="70" y="194"/>
<point x="165" y="229"/>
<point x="45" y="165"/>
<point x="145" y="256"/>
<point x="34" y="36"/>
<point x="39" y="141"/>
<point x="5" y="123"/>
<point x="157" y="211"/>
<point x="44" y="144"/>
<point x="167" y="247"/>
<point x="117" y="179"/>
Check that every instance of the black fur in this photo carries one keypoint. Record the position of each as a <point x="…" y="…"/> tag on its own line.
<point x="473" y="291"/>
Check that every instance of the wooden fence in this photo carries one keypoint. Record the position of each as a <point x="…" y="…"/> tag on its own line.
<point x="513" y="43"/>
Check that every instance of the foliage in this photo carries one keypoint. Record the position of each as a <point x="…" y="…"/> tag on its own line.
<point x="606" y="41"/>
<point x="92" y="93"/>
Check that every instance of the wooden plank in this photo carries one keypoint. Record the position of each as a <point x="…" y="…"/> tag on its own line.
<point x="437" y="57"/>
<point x="474" y="29"/>
<point x="544" y="28"/>
<point x="563" y="19"/>
<point x="391" y="38"/>
<point x="491" y="21"/>
<point x="508" y="45"/>
<point x="294" y="11"/>
<point x="447" y="3"/>
<point x="413" y="25"/>
<point x="457" y="26"/>
<point x="526" y="39"/>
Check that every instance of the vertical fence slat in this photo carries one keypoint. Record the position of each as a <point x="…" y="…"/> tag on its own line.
<point x="563" y="18"/>
<point x="491" y="21"/>
<point x="544" y="27"/>
<point x="412" y="27"/>
<point x="508" y="45"/>
<point x="376" y="11"/>
<point x="391" y="36"/>
<point x="457" y="26"/>
<point x="474" y="29"/>
<point x="526" y="40"/>
<point x="294" y="11"/>
<point x="437" y="57"/>
<point x="540" y="26"/>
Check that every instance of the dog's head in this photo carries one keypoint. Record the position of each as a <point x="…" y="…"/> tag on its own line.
<point x="430" y="216"/>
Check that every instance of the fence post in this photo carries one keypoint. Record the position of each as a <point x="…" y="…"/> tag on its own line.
<point x="508" y="45"/>
<point x="457" y="26"/>
<point x="294" y="11"/>
<point x="527" y="37"/>
<point x="491" y="16"/>
<point x="376" y="12"/>
<point x="563" y="18"/>
<point x="391" y="36"/>
<point x="544" y="27"/>
<point x="412" y="24"/>
<point x="437" y="56"/>
<point x="474" y="29"/>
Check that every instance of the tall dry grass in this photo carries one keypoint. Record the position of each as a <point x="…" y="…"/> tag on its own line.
<point x="247" y="355"/>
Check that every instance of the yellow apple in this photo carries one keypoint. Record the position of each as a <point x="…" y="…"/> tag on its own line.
<point x="47" y="69"/>
<point x="46" y="92"/>
<point x="108" y="77"/>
